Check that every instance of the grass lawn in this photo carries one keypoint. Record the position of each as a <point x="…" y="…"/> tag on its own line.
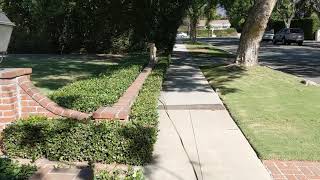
<point x="51" y="72"/>
<point x="279" y="116"/>
<point x="204" y="50"/>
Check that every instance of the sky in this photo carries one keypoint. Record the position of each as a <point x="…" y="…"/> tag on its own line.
<point x="221" y="11"/>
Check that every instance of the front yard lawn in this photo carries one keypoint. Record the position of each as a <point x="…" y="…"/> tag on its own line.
<point x="51" y="72"/>
<point x="279" y="116"/>
<point x="82" y="83"/>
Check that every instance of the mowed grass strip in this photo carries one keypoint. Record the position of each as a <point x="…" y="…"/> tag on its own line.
<point x="204" y="50"/>
<point x="279" y="116"/>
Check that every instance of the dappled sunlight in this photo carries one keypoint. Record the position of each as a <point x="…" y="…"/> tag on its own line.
<point x="51" y="72"/>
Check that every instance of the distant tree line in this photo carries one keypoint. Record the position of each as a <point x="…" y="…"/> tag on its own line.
<point x="64" y="26"/>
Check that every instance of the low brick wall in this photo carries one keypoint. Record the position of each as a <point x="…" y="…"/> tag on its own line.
<point x="19" y="99"/>
<point x="122" y="108"/>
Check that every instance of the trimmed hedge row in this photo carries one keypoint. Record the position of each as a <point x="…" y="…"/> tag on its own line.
<point x="90" y="94"/>
<point x="130" y="174"/>
<point x="309" y="26"/>
<point x="68" y="140"/>
<point x="10" y="170"/>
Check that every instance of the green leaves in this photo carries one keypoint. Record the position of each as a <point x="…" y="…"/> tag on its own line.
<point x="10" y="170"/>
<point x="89" y="95"/>
<point x="110" y="141"/>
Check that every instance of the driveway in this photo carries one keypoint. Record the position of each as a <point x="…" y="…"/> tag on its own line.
<point x="302" y="61"/>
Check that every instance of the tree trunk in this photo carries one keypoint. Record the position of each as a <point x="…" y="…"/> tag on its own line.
<point x="193" y="29"/>
<point x="288" y="21"/>
<point x="252" y="32"/>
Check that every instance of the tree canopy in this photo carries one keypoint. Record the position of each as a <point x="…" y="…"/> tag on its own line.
<point x="93" y="26"/>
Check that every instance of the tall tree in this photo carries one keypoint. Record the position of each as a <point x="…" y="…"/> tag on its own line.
<point x="237" y="11"/>
<point x="197" y="9"/>
<point x="287" y="10"/>
<point x="253" y="30"/>
<point x="316" y="5"/>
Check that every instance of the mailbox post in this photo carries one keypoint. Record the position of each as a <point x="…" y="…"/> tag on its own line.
<point x="6" y="27"/>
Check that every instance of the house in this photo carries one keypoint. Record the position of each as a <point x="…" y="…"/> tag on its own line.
<point x="215" y="24"/>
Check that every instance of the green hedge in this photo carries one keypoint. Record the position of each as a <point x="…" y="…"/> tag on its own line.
<point x="10" y="170"/>
<point x="309" y="26"/>
<point x="130" y="174"/>
<point x="104" y="90"/>
<point x="68" y="140"/>
<point x="48" y="26"/>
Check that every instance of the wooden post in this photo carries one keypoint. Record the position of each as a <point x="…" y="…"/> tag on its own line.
<point x="153" y="53"/>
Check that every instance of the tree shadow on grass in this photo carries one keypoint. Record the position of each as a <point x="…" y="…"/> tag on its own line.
<point x="220" y="75"/>
<point x="52" y="72"/>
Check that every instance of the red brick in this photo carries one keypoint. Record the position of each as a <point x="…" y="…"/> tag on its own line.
<point x="274" y="170"/>
<point x="29" y="109"/>
<point x="291" y="177"/>
<point x="313" y="177"/>
<point x="6" y="107"/>
<point x="8" y="100"/>
<point x="8" y="88"/>
<point x="306" y="171"/>
<point x="7" y="119"/>
<point x="8" y="113"/>
<point x="301" y="177"/>
<point x="315" y="170"/>
<point x="278" y="176"/>
<point x="57" y="111"/>
<point x="291" y="171"/>
<point x="285" y="165"/>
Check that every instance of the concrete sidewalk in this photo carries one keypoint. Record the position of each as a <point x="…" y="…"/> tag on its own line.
<point x="198" y="139"/>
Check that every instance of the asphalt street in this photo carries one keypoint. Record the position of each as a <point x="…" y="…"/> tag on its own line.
<point x="302" y="61"/>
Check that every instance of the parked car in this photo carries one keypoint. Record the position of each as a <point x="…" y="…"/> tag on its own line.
<point x="268" y="36"/>
<point x="289" y="35"/>
<point x="182" y="35"/>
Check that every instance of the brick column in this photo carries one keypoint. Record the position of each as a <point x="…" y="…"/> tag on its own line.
<point x="20" y="99"/>
<point x="10" y="95"/>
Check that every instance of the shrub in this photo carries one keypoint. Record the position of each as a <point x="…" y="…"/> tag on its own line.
<point x="129" y="174"/>
<point x="109" y="141"/>
<point x="309" y="26"/>
<point x="10" y="170"/>
<point x="95" y="26"/>
<point x="104" y="90"/>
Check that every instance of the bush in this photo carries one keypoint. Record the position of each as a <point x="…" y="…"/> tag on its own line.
<point x="92" y="26"/>
<point x="105" y="90"/>
<point x="10" y="170"/>
<point x="308" y="25"/>
<point x="109" y="141"/>
<point x="129" y="174"/>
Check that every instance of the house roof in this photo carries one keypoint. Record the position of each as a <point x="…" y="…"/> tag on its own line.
<point x="215" y="23"/>
<point x="220" y="22"/>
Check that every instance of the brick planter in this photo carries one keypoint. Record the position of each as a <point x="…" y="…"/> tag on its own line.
<point x="122" y="108"/>
<point x="19" y="98"/>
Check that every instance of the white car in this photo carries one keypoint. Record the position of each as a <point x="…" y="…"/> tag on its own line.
<point x="182" y="35"/>
<point x="268" y="36"/>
